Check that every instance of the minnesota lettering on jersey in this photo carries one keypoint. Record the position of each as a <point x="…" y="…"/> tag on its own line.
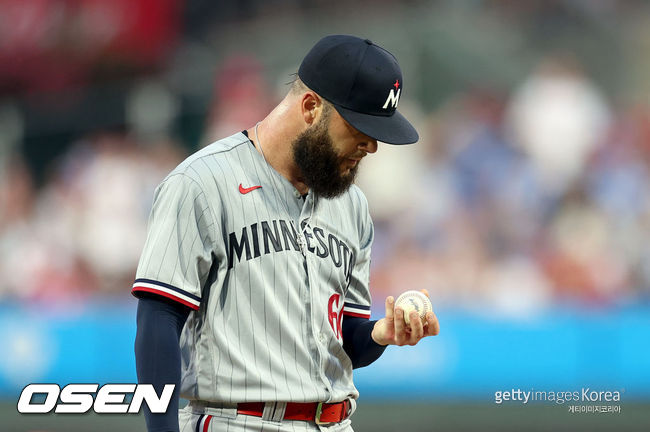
<point x="279" y="235"/>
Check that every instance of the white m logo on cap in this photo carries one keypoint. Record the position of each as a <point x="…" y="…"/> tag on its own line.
<point x="392" y="98"/>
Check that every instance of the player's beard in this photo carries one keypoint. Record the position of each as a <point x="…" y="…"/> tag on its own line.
<point x="320" y="165"/>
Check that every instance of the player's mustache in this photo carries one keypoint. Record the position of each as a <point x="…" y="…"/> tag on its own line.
<point x="357" y="156"/>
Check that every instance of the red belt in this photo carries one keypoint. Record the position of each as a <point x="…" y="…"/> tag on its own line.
<point x="319" y="412"/>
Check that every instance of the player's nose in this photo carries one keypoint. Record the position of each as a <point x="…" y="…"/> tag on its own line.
<point x="368" y="145"/>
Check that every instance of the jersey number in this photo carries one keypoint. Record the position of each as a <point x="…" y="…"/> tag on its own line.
<point x="334" y="315"/>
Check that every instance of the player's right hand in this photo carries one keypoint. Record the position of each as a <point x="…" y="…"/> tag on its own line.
<point x="393" y="330"/>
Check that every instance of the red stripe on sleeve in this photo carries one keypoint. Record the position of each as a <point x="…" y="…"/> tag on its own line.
<point x="165" y="294"/>
<point x="358" y="315"/>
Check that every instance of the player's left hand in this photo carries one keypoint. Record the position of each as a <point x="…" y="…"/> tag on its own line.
<point x="393" y="330"/>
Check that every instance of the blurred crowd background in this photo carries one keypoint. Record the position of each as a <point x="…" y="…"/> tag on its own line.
<point x="529" y="187"/>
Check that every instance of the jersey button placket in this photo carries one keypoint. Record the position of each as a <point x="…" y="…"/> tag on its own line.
<point x="319" y="338"/>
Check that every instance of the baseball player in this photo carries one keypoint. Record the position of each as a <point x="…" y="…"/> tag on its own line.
<point x="253" y="283"/>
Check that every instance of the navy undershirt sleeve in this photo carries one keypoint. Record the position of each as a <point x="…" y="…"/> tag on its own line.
<point x="158" y="354"/>
<point x="358" y="343"/>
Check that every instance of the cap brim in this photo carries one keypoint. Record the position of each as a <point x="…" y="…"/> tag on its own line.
<point x="393" y="129"/>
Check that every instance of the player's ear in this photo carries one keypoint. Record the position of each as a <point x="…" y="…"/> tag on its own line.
<point x="311" y="105"/>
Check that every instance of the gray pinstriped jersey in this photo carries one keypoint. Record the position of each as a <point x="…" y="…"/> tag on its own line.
<point x="266" y="324"/>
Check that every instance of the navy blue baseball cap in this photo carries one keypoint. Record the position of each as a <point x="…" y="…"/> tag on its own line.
<point x="364" y="83"/>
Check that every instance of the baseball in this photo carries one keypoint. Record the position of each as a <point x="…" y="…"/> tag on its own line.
<point x="414" y="301"/>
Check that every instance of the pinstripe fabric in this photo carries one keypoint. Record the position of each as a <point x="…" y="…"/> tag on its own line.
<point x="266" y="319"/>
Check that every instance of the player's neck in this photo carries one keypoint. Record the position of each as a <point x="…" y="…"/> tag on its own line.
<point x="275" y="136"/>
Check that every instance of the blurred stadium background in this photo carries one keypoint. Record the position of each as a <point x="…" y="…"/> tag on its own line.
<point x="524" y="209"/>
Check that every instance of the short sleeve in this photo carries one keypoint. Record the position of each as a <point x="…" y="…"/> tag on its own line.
<point x="358" y="299"/>
<point x="177" y="255"/>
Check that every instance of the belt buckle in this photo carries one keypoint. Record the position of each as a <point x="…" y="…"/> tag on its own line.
<point x="319" y="412"/>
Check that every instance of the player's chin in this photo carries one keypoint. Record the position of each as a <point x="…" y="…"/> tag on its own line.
<point x="345" y="173"/>
<point x="349" y="170"/>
